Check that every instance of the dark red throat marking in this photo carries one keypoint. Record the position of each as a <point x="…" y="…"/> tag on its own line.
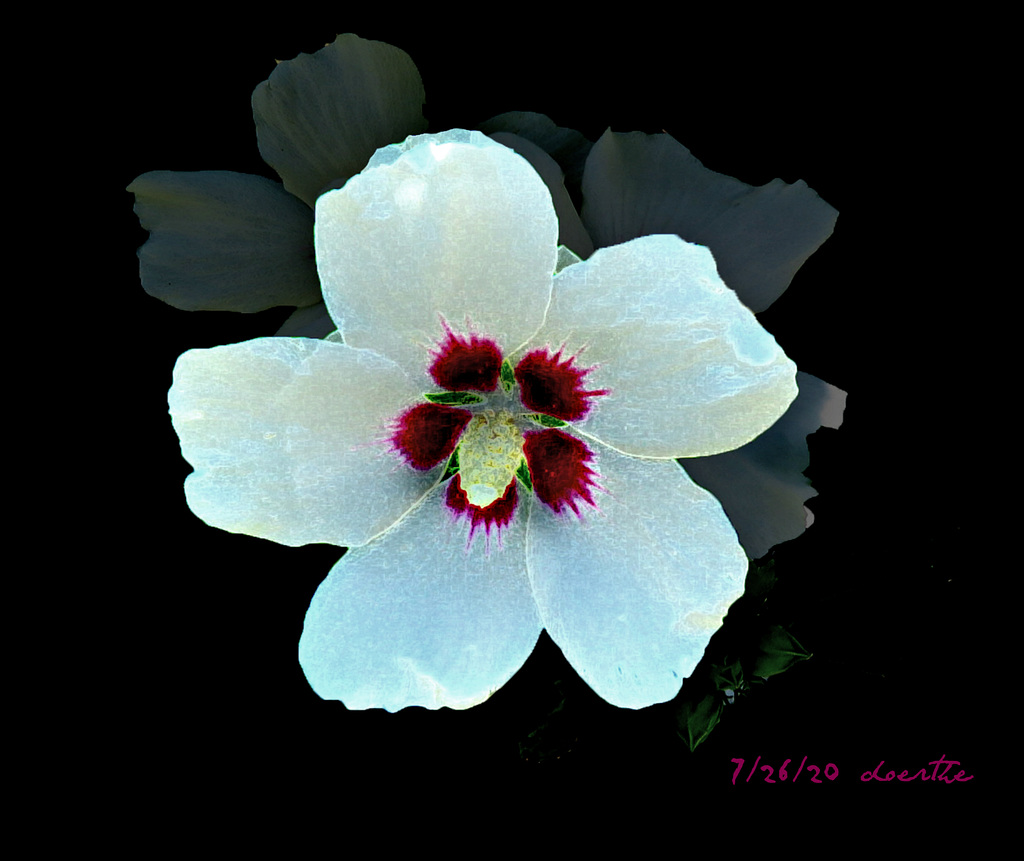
<point x="554" y="387"/>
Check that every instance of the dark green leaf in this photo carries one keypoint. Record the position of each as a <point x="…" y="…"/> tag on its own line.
<point x="548" y="421"/>
<point x="523" y="474"/>
<point x="777" y="652"/>
<point x="508" y="376"/>
<point x="761" y="578"/>
<point x="728" y="677"/>
<point x="454" y="398"/>
<point x="695" y="720"/>
<point x="452" y="467"/>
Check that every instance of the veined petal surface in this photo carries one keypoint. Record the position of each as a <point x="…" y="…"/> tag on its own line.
<point x="224" y="241"/>
<point x="417" y="618"/>
<point x="321" y="116"/>
<point x="288" y="440"/>
<point x="688" y="369"/>
<point x="633" y="594"/>
<point x="413" y="238"/>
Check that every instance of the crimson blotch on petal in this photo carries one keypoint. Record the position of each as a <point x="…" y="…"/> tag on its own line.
<point x="494" y="517"/>
<point x="426" y="434"/>
<point x="559" y="469"/>
<point x="466" y="363"/>
<point x="554" y="386"/>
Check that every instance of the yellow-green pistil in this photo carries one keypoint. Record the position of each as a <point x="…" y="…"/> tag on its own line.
<point x="490" y="451"/>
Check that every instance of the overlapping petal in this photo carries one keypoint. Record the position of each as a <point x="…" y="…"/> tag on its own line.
<point x="632" y="595"/>
<point x="637" y="184"/>
<point x="414" y="237"/>
<point x="570" y="229"/>
<point x="224" y="241"/>
<point x="321" y="116"/>
<point x="688" y="369"/>
<point x="288" y="437"/>
<point x="415" y="618"/>
<point x="312" y="321"/>
<point x="761" y="485"/>
<point x="566" y="146"/>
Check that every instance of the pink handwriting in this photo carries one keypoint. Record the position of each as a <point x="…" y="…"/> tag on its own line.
<point x="831" y="772"/>
<point x="922" y="774"/>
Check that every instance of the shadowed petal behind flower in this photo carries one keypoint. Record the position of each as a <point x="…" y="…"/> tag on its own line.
<point x="321" y="116"/>
<point x="224" y="241"/>
<point x="312" y="321"/>
<point x="761" y="485"/>
<point x="567" y="147"/>
<point x="636" y="184"/>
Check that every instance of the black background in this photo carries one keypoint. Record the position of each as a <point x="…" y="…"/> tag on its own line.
<point x="200" y="627"/>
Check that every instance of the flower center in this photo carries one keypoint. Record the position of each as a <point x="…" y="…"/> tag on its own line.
<point x="497" y="424"/>
<point x="490" y="451"/>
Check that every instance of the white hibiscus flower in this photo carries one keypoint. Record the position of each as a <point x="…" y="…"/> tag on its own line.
<point x="561" y="390"/>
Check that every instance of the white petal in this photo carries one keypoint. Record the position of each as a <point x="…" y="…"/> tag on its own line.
<point x="287" y="439"/>
<point x="689" y="369"/>
<point x="633" y="594"/>
<point x="415" y="619"/>
<point x="454" y="226"/>
<point x="570" y="229"/>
